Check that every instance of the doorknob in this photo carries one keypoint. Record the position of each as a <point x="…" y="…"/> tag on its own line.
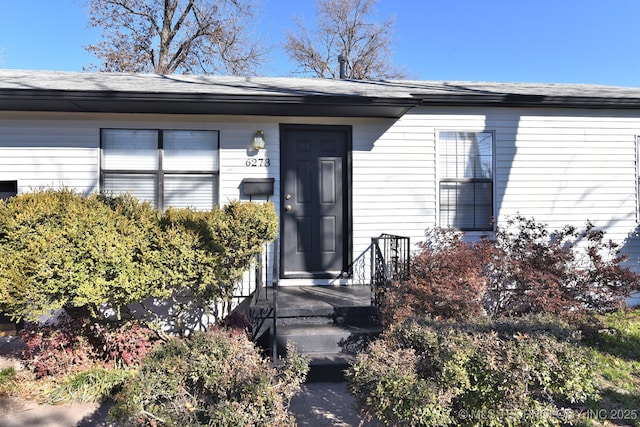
<point x="287" y="208"/>
<point x="288" y="197"/>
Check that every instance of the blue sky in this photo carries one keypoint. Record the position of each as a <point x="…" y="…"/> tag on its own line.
<point x="562" y="41"/>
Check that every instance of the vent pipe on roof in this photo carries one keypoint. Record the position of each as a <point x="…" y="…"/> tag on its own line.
<point x="343" y="61"/>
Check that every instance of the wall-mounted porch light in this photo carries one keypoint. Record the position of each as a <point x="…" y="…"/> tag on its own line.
<point x="258" y="140"/>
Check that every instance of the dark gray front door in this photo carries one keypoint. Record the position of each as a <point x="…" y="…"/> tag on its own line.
<point x="314" y="200"/>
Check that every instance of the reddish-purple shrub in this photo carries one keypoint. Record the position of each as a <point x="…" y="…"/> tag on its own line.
<point x="530" y="269"/>
<point x="446" y="281"/>
<point x="237" y="322"/>
<point x="126" y="343"/>
<point x="524" y="268"/>
<point x="71" y="344"/>
<point x="56" y="349"/>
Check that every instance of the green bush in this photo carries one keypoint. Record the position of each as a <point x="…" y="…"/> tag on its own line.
<point x="509" y="372"/>
<point x="61" y="250"/>
<point x="208" y="252"/>
<point x="212" y="378"/>
<point x="89" y="255"/>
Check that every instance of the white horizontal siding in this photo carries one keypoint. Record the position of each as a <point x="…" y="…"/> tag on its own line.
<point x="47" y="153"/>
<point x="393" y="168"/>
<point x="559" y="166"/>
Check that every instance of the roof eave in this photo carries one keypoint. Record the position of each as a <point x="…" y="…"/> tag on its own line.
<point x="182" y="103"/>
<point x="530" y="101"/>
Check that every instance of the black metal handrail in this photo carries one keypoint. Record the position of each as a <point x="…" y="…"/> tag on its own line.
<point x="253" y="285"/>
<point x="390" y="260"/>
<point x="263" y="311"/>
<point x="274" y="283"/>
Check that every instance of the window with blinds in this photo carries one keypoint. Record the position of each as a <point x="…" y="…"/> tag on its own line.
<point x="466" y="180"/>
<point x="176" y="168"/>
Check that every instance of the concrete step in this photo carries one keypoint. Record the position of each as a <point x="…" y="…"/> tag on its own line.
<point x="310" y="339"/>
<point x="328" y="367"/>
<point x="344" y="314"/>
<point x="365" y="319"/>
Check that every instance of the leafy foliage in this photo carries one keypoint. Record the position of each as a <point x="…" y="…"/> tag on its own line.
<point x="208" y="252"/>
<point x="57" y="349"/>
<point x="524" y="269"/>
<point x="88" y="254"/>
<point x="121" y="344"/>
<point x="210" y="378"/>
<point x="62" y="250"/>
<point x="532" y="269"/>
<point x="445" y="281"/>
<point x="510" y="372"/>
<point x="70" y="345"/>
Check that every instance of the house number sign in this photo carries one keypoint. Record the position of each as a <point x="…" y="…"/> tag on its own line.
<point x="258" y="163"/>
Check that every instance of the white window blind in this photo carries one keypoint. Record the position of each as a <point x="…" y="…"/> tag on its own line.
<point x="195" y="191"/>
<point x="190" y="151"/>
<point x="165" y="167"/>
<point x="142" y="187"/>
<point x="130" y="149"/>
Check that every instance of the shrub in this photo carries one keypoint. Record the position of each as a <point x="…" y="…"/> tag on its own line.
<point x="57" y="349"/>
<point x="121" y="344"/>
<point x="207" y="253"/>
<point x="70" y="345"/>
<point x="508" y="372"/>
<point x="445" y="281"/>
<point x="530" y="269"/>
<point x="62" y="250"/>
<point x="524" y="269"/>
<point x="211" y="378"/>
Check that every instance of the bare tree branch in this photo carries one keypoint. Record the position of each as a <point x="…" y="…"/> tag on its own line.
<point x="176" y="36"/>
<point x="344" y="26"/>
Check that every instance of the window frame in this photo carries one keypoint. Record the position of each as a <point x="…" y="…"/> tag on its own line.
<point x="159" y="172"/>
<point x="8" y="188"/>
<point x="637" y="183"/>
<point x="440" y="166"/>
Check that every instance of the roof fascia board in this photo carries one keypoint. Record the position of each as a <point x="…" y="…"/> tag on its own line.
<point x="536" y="101"/>
<point x="193" y="103"/>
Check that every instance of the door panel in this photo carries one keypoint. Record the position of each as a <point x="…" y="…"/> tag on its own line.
<point x="314" y="181"/>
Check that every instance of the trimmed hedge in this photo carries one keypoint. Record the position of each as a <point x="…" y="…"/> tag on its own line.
<point x="62" y="250"/>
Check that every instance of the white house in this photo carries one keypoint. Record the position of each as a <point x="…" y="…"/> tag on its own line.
<point x="343" y="161"/>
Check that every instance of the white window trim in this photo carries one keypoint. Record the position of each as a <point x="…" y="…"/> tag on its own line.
<point x="637" y="170"/>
